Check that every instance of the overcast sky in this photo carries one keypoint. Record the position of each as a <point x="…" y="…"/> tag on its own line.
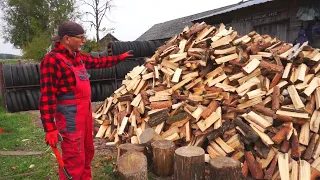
<point x="131" y="18"/>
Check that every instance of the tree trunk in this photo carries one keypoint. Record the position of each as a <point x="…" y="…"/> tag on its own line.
<point x="189" y="163"/>
<point x="225" y="168"/>
<point x="123" y="148"/>
<point x="163" y="157"/>
<point x="132" y="166"/>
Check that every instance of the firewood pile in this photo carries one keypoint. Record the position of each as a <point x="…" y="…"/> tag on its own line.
<point x="253" y="98"/>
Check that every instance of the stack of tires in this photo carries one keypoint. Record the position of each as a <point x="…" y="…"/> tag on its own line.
<point x="140" y="48"/>
<point x="25" y="80"/>
<point x="21" y="83"/>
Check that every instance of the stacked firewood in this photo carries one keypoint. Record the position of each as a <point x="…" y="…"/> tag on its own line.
<point x="253" y="98"/>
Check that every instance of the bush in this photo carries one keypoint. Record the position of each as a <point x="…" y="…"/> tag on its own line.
<point x="89" y="46"/>
<point x="37" y="48"/>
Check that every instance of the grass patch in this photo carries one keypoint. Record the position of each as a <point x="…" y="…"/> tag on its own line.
<point x="21" y="134"/>
<point x="11" y="61"/>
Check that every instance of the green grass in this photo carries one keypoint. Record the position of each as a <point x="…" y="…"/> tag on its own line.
<point x="21" y="133"/>
<point x="11" y="61"/>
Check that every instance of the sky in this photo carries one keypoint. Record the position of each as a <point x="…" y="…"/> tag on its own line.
<point x="131" y="18"/>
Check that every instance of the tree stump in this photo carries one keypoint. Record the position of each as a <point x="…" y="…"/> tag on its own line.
<point x="225" y="168"/>
<point x="163" y="157"/>
<point x="123" y="148"/>
<point x="132" y="166"/>
<point x="189" y="163"/>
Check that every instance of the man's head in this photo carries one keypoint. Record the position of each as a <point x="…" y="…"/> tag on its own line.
<point x="71" y="35"/>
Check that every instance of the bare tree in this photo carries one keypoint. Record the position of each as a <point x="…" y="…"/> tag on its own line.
<point x="97" y="10"/>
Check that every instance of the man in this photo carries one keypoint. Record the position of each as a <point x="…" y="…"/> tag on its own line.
<point x="65" y="102"/>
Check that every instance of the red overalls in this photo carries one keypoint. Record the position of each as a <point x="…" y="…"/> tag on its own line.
<point x="74" y="122"/>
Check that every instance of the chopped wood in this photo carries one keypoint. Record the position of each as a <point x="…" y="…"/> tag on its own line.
<point x="304" y="134"/>
<point x="228" y="94"/>
<point x="270" y="171"/>
<point x="254" y="167"/>
<point x="251" y="66"/>
<point x="270" y="67"/>
<point x="283" y="163"/>
<point x="230" y="50"/>
<point x="226" y="58"/>
<point x="312" y="86"/>
<point x="176" y="75"/>
<point x="305" y="170"/>
<point x="205" y="124"/>
<point x="310" y="149"/>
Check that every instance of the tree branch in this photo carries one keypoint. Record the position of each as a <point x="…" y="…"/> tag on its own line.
<point x="84" y="2"/>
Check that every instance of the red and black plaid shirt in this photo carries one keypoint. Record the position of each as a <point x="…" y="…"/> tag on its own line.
<point x="57" y="78"/>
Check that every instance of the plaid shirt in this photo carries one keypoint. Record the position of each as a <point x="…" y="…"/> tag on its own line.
<point x="57" y="78"/>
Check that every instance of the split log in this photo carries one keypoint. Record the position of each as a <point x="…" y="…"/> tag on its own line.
<point x="158" y="118"/>
<point x="254" y="166"/>
<point x="132" y="165"/>
<point x="189" y="163"/>
<point x="163" y="157"/>
<point x="250" y="133"/>
<point x="225" y="168"/>
<point x="148" y="136"/>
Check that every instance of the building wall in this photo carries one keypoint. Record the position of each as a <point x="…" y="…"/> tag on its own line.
<point x="276" y="18"/>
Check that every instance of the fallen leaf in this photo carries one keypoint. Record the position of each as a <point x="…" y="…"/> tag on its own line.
<point x="23" y="140"/>
<point x="14" y="167"/>
<point x="97" y="165"/>
<point x="109" y="158"/>
<point x="31" y="166"/>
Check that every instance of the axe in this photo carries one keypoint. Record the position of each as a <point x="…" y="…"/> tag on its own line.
<point x="59" y="158"/>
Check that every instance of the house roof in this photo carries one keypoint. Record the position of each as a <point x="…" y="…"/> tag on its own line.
<point x="236" y="7"/>
<point x="170" y="28"/>
<point x="109" y="35"/>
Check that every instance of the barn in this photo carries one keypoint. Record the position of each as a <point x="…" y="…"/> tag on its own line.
<point x="289" y="20"/>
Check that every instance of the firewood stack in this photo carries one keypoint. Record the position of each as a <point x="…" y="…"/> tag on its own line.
<point x="253" y="98"/>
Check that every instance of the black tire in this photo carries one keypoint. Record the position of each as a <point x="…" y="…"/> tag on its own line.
<point x="98" y="92"/>
<point x="9" y="102"/>
<point x="15" y="77"/>
<point x="36" y="70"/>
<point x="33" y="81"/>
<point x="35" y="74"/>
<point x="24" y="100"/>
<point x="32" y="105"/>
<point x="26" y="74"/>
<point x="93" y="93"/>
<point x="7" y="74"/>
<point x="19" y="100"/>
<point x="35" y="98"/>
<point x="21" y="75"/>
<point x="14" y="102"/>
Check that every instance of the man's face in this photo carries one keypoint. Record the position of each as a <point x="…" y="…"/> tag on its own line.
<point x="75" y="42"/>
